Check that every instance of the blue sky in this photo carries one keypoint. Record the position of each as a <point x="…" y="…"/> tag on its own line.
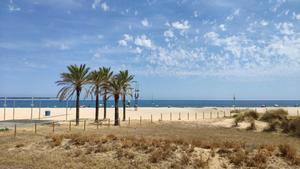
<point x="184" y="49"/>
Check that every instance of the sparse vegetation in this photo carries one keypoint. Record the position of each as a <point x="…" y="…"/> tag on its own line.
<point x="175" y="145"/>
<point x="246" y="115"/>
<point x="4" y="129"/>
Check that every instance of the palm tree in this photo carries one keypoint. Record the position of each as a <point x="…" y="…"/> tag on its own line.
<point x="96" y="79"/>
<point x="107" y="75"/>
<point x="116" y="90"/>
<point x="126" y="79"/>
<point x="73" y="81"/>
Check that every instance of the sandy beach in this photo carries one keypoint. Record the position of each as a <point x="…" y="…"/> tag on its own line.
<point x="157" y="113"/>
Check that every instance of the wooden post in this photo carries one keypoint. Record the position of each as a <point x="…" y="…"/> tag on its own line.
<point x="108" y="122"/>
<point x="179" y="118"/>
<point x="170" y="116"/>
<point x="297" y="112"/>
<point x="210" y="115"/>
<point x="151" y="118"/>
<point x="203" y="114"/>
<point x="4" y="113"/>
<point x="14" y="109"/>
<point x="35" y="128"/>
<point x="84" y="125"/>
<point x="128" y="121"/>
<point x="161" y="117"/>
<point x="53" y="125"/>
<point x="224" y="113"/>
<point x="218" y="114"/>
<point x="15" y="132"/>
<point x="140" y="120"/>
<point x="70" y="125"/>
<point x="39" y="113"/>
<point x="188" y="116"/>
<point x="195" y="115"/>
<point x="31" y="113"/>
<point x="14" y="113"/>
<point x="97" y="125"/>
<point x="66" y="114"/>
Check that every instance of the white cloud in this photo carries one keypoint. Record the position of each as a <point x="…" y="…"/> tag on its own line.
<point x="183" y="25"/>
<point x="126" y="38"/>
<point x="222" y="27"/>
<point x="235" y="13"/>
<point x="104" y="6"/>
<point x="145" y="22"/>
<point x="95" y="3"/>
<point x="122" y="42"/>
<point x="169" y="34"/>
<point x="12" y="7"/>
<point x="196" y="14"/>
<point x="285" y="28"/>
<point x="137" y="50"/>
<point x="277" y="5"/>
<point x="143" y="41"/>
<point x="264" y="23"/>
<point x="296" y="16"/>
<point x="60" y="44"/>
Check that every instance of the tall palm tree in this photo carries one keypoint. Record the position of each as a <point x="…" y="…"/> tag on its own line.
<point x="116" y="90"/>
<point x="107" y="75"/>
<point x="96" y="79"/>
<point x="73" y="81"/>
<point x="126" y="79"/>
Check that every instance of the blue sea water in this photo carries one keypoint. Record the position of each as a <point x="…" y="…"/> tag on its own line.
<point x="154" y="103"/>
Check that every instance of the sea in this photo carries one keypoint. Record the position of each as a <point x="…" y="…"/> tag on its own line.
<point x="150" y="103"/>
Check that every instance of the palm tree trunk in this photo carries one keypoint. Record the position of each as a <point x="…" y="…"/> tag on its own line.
<point x="97" y="106"/>
<point x="116" y="110"/>
<point x="77" y="106"/>
<point x="104" y="105"/>
<point x="124" y="106"/>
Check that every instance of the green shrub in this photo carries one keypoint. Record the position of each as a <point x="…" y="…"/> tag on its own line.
<point x="294" y="126"/>
<point x="271" y="115"/>
<point x="277" y="119"/>
<point x="247" y="115"/>
<point x="4" y="129"/>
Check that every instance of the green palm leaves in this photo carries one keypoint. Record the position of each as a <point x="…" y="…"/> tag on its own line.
<point x="100" y="82"/>
<point x="73" y="81"/>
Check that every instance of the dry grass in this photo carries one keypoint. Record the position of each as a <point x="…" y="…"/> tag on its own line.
<point x="165" y="145"/>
